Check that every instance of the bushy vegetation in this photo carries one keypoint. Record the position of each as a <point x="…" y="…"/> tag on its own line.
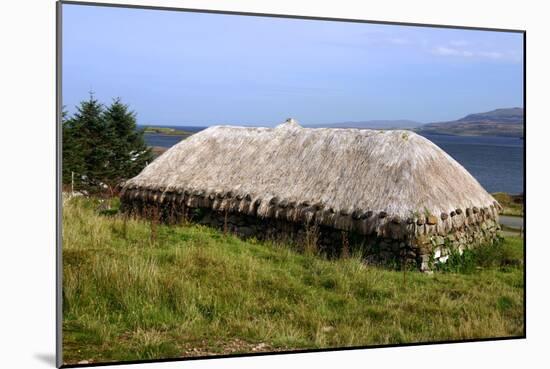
<point x="102" y="147"/>
<point x="511" y="204"/>
<point x="505" y="255"/>
<point x="191" y="290"/>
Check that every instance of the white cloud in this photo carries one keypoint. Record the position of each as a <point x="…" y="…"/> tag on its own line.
<point x="491" y="54"/>
<point x="449" y="51"/>
<point x="453" y="51"/>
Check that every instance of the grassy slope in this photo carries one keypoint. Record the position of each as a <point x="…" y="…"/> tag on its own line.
<point x="197" y="292"/>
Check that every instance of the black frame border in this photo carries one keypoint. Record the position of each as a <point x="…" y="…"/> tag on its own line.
<point x="59" y="200"/>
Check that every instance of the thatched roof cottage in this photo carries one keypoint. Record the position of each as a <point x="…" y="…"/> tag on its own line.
<point x="393" y="189"/>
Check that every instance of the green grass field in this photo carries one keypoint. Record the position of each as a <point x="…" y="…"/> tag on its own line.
<point x="194" y="291"/>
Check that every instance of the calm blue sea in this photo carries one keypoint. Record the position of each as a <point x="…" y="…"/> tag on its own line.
<point x="167" y="140"/>
<point x="496" y="162"/>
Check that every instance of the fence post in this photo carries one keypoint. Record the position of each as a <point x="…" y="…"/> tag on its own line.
<point x="521" y="232"/>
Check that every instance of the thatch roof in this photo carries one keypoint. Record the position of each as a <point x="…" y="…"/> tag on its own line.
<point x="352" y="179"/>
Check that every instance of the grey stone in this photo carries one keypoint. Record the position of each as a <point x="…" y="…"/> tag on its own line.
<point x="246" y="231"/>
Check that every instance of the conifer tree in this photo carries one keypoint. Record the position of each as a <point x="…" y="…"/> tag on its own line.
<point x="71" y="159"/>
<point x="92" y="138"/>
<point x="102" y="146"/>
<point x="129" y="153"/>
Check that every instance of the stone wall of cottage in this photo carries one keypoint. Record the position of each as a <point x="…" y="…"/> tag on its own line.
<point x="422" y="251"/>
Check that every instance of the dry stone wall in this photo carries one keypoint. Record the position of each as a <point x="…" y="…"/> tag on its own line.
<point x="432" y="249"/>
<point x="422" y="250"/>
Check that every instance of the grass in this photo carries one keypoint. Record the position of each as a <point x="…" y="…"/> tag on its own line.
<point x="512" y="204"/>
<point x="167" y="131"/>
<point x="505" y="256"/>
<point x="194" y="292"/>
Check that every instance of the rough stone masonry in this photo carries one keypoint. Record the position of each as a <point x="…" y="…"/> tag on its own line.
<point x="422" y="250"/>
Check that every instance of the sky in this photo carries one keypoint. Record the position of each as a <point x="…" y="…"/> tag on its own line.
<point x="181" y="68"/>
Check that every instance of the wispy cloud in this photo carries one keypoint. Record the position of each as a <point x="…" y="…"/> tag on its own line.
<point x="426" y="44"/>
<point x="492" y="54"/>
<point x="449" y="51"/>
<point x="453" y="51"/>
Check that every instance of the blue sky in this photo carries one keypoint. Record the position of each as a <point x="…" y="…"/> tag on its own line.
<point x="179" y="68"/>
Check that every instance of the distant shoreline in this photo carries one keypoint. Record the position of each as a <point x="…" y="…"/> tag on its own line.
<point x="190" y="130"/>
<point x="168" y="135"/>
<point x="167" y="131"/>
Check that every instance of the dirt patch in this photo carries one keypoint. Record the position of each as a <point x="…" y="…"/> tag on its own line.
<point x="236" y="346"/>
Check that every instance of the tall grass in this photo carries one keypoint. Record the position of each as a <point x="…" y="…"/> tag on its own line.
<point x="192" y="290"/>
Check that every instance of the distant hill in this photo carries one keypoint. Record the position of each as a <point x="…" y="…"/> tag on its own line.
<point x="499" y="122"/>
<point x="372" y="124"/>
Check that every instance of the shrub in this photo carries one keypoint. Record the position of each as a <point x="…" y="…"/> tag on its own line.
<point x="503" y="254"/>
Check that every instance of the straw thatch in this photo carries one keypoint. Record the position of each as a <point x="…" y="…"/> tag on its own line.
<point x="371" y="182"/>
